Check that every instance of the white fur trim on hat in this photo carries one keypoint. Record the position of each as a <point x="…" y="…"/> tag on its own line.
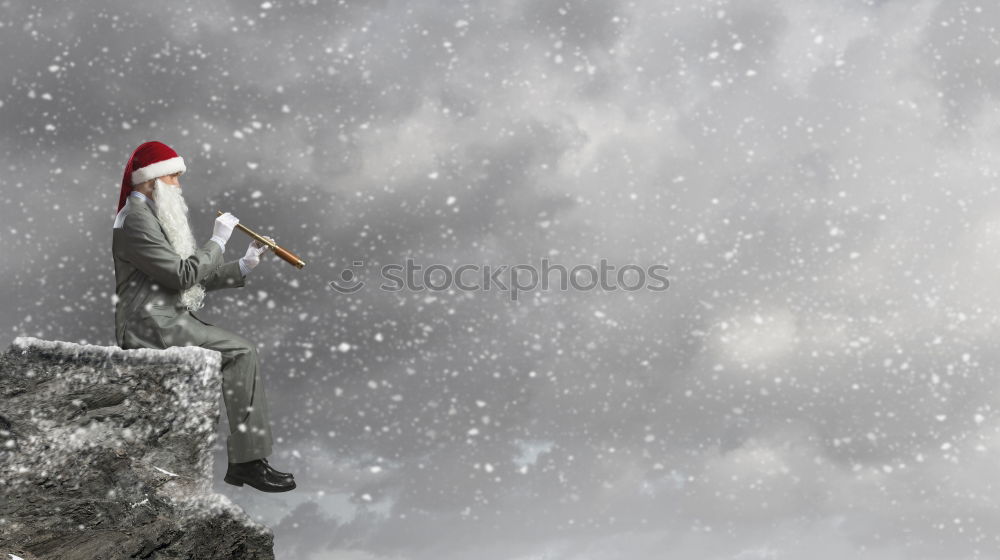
<point x="158" y="169"/>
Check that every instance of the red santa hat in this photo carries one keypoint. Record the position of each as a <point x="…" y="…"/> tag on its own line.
<point x="149" y="161"/>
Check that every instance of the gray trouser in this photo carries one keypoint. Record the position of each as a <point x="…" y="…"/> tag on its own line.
<point x="242" y="389"/>
<point x="243" y="392"/>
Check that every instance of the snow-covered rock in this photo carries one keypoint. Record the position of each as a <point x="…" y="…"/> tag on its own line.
<point x="107" y="453"/>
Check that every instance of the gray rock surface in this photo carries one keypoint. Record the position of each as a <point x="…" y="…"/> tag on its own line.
<point x="107" y="453"/>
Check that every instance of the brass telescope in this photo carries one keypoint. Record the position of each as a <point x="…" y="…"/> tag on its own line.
<point x="285" y="254"/>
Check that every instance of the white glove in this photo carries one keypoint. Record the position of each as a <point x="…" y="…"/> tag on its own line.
<point x="252" y="258"/>
<point x="224" y="225"/>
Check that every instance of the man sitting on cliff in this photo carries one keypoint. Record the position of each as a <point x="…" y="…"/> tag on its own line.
<point x="161" y="276"/>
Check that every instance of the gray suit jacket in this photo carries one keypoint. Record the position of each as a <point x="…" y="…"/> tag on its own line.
<point x="150" y="277"/>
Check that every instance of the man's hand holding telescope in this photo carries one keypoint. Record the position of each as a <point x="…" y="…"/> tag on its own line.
<point x="224" y="225"/>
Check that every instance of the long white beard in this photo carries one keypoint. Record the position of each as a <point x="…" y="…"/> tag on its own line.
<point x="172" y="212"/>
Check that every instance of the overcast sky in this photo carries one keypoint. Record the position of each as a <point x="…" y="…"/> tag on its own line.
<point x="819" y="380"/>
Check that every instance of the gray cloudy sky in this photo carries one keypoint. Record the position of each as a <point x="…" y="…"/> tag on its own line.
<point x="820" y="176"/>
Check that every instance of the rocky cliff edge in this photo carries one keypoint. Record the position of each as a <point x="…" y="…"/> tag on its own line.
<point x="107" y="453"/>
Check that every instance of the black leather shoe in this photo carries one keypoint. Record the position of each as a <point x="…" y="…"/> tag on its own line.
<point x="275" y="472"/>
<point x="255" y="474"/>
